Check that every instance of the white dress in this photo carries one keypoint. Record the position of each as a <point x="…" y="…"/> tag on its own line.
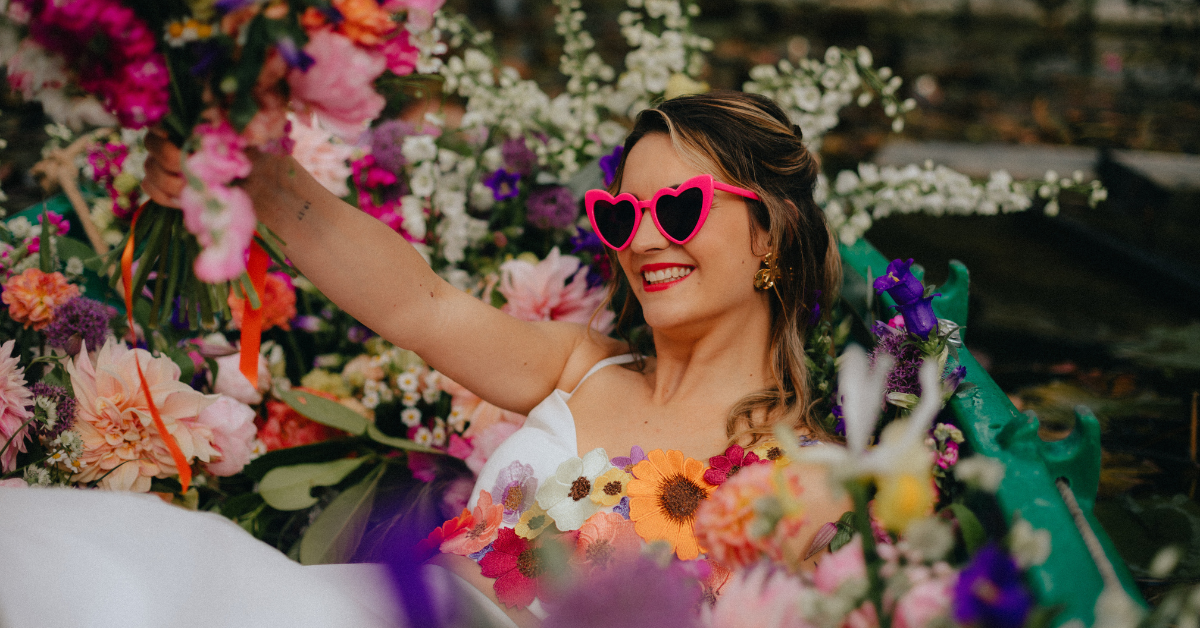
<point x="97" y="558"/>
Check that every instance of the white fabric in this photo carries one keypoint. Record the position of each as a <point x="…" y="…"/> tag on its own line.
<point x="546" y="440"/>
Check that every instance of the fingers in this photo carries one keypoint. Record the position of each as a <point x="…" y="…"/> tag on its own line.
<point x="161" y="186"/>
<point x="163" y="151"/>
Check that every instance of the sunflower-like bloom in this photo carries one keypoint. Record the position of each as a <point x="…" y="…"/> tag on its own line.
<point x="664" y="497"/>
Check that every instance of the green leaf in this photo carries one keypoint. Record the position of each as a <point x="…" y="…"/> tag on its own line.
<point x="187" y="368"/>
<point x="325" y="412"/>
<point x="336" y="533"/>
<point x="45" y="259"/>
<point x="304" y="454"/>
<point x="845" y="532"/>
<point x="398" y="443"/>
<point x="290" y="488"/>
<point x="968" y="524"/>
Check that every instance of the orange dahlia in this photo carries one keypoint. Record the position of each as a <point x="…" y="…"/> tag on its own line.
<point x="278" y="301"/>
<point x="364" y="21"/>
<point x="32" y="296"/>
<point x="664" y="497"/>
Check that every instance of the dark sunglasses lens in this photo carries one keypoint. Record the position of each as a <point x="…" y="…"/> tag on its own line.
<point x="678" y="215"/>
<point x="614" y="221"/>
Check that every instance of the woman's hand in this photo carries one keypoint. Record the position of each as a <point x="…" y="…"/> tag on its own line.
<point x="164" y="169"/>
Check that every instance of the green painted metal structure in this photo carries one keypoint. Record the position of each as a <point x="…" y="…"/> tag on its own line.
<point x="995" y="428"/>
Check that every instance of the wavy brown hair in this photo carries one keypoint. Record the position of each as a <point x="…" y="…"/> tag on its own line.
<point x="748" y="141"/>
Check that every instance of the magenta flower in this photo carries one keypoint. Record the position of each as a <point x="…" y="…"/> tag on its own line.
<point x="723" y="467"/>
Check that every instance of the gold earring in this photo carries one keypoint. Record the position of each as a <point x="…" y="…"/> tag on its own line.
<point x="765" y="278"/>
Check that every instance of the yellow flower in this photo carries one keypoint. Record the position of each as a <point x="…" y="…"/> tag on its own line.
<point x="771" y="450"/>
<point x="533" y="522"/>
<point x="902" y="499"/>
<point x="610" y="487"/>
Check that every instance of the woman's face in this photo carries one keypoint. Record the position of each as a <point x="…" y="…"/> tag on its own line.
<point x="709" y="277"/>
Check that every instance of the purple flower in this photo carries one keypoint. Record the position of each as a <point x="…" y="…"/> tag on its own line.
<point x="905" y="375"/>
<point x="552" y="208"/>
<point x="358" y="333"/>
<point x="638" y="595"/>
<point x="622" y="507"/>
<point x="626" y="463"/>
<point x="515" y="489"/>
<point x="293" y="54"/>
<point x="989" y="591"/>
<point x="900" y="283"/>
<point x="919" y="317"/>
<point x="609" y="164"/>
<point x="387" y="143"/>
<point x="517" y="156"/>
<point x="815" y="316"/>
<point x="228" y="6"/>
<point x="64" y="409"/>
<point x="839" y="420"/>
<point x="503" y="184"/>
<point x="77" y="321"/>
<point x="956" y="376"/>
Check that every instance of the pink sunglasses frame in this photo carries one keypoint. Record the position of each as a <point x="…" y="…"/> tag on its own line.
<point x="705" y="182"/>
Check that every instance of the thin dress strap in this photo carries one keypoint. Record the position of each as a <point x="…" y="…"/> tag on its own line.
<point x="616" y="359"/>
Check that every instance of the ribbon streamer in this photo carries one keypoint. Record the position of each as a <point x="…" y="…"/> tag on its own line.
<point x="181" y="463"/>
<point x="252" y="318"/>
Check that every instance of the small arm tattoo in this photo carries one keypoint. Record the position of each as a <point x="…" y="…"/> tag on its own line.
<point x="304" y="210"/>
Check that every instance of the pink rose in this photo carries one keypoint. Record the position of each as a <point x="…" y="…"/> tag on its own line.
<point x="338" y="86"/>
<point x="923" y="603"/>
<point x="233" y="432"/>
<point x="841" y="566"/>
<point x="232" y="383"/>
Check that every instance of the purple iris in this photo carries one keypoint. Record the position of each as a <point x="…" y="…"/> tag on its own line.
<point x="919" y="317"/>
<point x="609" y="164"/>
<point x="839" y="418"/>
<point x="293" y="54"/>
<point x="900" y="283"/>
<point x="503" y="184"/>
<point x="989" y="591"/>
<point x="956" y="376"/>
<point x="815" y="316"/>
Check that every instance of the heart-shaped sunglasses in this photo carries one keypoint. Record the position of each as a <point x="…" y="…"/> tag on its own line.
<point x="678" y="212"/>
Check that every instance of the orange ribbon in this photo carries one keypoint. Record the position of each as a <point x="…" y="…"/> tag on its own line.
<point x="252" y="318"/>
<point x="181" y="463"/>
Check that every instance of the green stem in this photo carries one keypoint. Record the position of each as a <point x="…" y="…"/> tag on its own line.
<point x="862" y="522"/>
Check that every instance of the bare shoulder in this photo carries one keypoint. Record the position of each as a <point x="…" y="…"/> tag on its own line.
<point x="591" y="347"/>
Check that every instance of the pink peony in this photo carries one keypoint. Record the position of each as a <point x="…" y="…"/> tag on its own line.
<point x="841" y="566"/>
<point x="327" y="160"/>
<point x="339" y="85"/>
<point x="232" y="383"/>
<point x="233" y="434"/>
<point x="759" y="596"/>
<point x="122" y="448"/>
<point x="554" y="289"/>
<point x="486" y="442"/>
<point x="14" y="397"/>
<point x="924" y="603"/>
<point x="480" y="414"/>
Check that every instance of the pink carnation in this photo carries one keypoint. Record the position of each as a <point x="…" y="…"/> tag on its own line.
<point x="233" y="434"/>
<point x="221" y="157"/>
<point x="554" y="289"/>
<point x="122" y="448"/>
<point x="339" y="85"/>
<point x="326" y="160"/>
<point x="841" y="566"/>
<point x="225" y="230"/>
<point x="400" y="54"/>
<point x="14" y="398"/>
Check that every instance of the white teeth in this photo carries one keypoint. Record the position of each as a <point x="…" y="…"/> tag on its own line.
<point x="666" y="274"/>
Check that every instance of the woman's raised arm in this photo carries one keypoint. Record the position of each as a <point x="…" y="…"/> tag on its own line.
<point x="376" y="276"/>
